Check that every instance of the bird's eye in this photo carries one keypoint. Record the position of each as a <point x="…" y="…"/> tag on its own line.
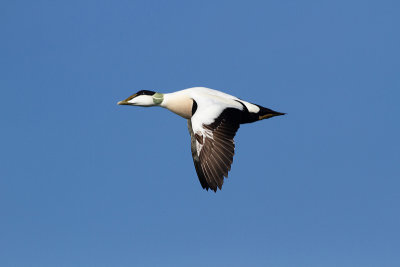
<point x="145" y="92"/>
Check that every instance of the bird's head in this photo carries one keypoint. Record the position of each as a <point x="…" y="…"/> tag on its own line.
<point x="143" y="98"/>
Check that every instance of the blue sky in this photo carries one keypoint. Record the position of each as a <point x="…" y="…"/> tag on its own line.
<point x="84" y="182"/>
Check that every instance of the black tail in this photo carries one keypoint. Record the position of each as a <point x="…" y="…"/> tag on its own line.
<point x="264" y="113"/>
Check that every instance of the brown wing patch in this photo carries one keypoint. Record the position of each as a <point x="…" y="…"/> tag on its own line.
<point x="196" y="159"/>
<point x="199" y="138"/>
<point x="216" y="155"/>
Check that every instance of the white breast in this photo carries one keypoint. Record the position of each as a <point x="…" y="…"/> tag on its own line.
<point x="179" y="103"/>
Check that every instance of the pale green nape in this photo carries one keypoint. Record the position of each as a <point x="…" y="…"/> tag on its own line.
<point x="158" y="98"/>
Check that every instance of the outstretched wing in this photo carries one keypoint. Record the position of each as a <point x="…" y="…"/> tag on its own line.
<point x="213" y="146"/>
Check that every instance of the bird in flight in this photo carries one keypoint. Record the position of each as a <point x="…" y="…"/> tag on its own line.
<point x="213" y="118"/>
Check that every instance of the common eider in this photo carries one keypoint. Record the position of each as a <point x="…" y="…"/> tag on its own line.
<point x="213" y="118"/>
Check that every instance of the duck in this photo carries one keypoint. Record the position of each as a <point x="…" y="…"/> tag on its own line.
<point x="213" y="118"/>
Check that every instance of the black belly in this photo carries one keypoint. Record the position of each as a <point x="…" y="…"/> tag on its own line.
<point x="246" y="116"/>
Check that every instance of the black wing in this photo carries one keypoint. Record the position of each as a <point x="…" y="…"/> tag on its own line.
<point x="213" y="148"/>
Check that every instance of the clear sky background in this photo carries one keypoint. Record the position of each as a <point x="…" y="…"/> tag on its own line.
<point x="84" y="182"/>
